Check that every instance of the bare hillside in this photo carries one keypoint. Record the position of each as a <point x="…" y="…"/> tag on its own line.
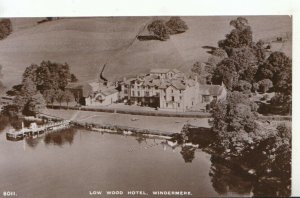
<point x="88" y="43"/>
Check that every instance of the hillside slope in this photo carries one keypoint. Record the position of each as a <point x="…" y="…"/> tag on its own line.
<point x="88" y="43"/>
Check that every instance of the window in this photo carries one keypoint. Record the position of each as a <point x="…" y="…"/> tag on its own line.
<point x="165" y="97"/>
<point x="178" y="104"/>
<point x="173" y="98"/>
<point x="167" y="105"/>
<point x="180" y="97"/>
<point x="138" y="93"/>
<point x="146" y="93"/>
<point x="132" y="93"/>
<point x="171" y="90"/>
<point x="125" y="91"/>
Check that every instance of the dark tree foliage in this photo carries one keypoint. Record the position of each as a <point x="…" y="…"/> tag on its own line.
<point x="5" y="28"/>
<point x="159" y="29"/>
<point x="48" y="79"/>
<point x="49" y="75"/>
<point x="176" y="25"/>
<point x="226" y="72"/>
<point x="73" y="78"/>
<point x="15" y="90"/>
<point x="277" y="68"/>
<point x="243" y="86"/>
<point x="234" y="115"/>
<point x="283" y="102"/>
<point x="244" y="57"/>
<point x="240" y="36"/>
<point x="260" y="51"/>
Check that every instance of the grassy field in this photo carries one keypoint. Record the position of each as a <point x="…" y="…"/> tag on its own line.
<point x="88" y="43"/>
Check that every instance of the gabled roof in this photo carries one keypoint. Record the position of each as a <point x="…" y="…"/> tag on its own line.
<point x="176" y="71"/>
<point x="108" y="91"/>
<point x="95" y="86"/>
<point x="163" y="71"/>
<point x="159" y="71"/>
<point x="178" y="84"/>
<point x="213" y="90"/>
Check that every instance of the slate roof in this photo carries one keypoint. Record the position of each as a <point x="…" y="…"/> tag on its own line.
<point x="108" y="91"/>
<point x="178" y="84"/>
<point x="163" y="71"/>
<point x="159" y="71"/>
<point x="213" y="90"/>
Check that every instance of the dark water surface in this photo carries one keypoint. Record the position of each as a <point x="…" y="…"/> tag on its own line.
<point x="72" y="163"/>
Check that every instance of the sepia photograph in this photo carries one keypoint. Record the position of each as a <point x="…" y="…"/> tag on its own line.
<point x="146" y="106"/>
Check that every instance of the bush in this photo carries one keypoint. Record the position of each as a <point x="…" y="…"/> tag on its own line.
<point x="265" y="85"/>
<point x="159" y="29"/>
<point x="176" y="25"/>
<point x="5" y="28"/>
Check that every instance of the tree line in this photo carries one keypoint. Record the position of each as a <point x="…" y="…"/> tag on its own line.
<point x="247" y="66"/>
<point x="162" y="30"/>
<point x="42" y="84"/>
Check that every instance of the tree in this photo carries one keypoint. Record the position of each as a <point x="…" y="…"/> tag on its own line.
<point x="159" y="29"/>
<point x="68" y="97"/>
<point x="176" y="25"/>
<point x="50" y="96"/>
<point x="243" y="86"/>
<point x="277" y="68"/>
<point x="265" y="85"/>
<point x="282" y="101"/>
<point x="27" y="91"/>
<point x="73" y="78"/>
<point x="35" y="104"/>
<point x="234" y="115"/>
<point x="60" y="97"/>
<point x="200" y="70"/>
<point x="244" y="57"/>
<point x="240" y="36"/>
<point x="226" y="72"/>
<point x="5" y="28"/>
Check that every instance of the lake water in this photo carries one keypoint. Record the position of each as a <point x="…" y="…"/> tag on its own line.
<point x="73" y="163"/>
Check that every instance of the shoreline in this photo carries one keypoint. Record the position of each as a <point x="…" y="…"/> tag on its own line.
<point x="155" y="125"/>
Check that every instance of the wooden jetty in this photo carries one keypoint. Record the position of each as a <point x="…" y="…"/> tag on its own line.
<point x="35" y="130"/>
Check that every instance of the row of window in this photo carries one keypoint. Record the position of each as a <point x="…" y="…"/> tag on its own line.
<point x="167" y="105"/>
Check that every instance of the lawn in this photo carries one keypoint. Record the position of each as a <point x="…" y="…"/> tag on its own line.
<point x="88" y="43"/>
<point x="166" y="124"/>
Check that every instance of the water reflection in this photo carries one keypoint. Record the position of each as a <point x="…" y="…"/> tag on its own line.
<point x="4" y="121"/>
<point x="272" y="176"/>
<point x="32" y="142"/>
<point x="188" y="153"/>
<point x="226" y="179"/>
<point x="60" y="138"/>
<point x="271" y="167"/>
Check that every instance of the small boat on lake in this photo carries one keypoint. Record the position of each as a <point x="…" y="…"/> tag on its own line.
<point x="34" y="130"/>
